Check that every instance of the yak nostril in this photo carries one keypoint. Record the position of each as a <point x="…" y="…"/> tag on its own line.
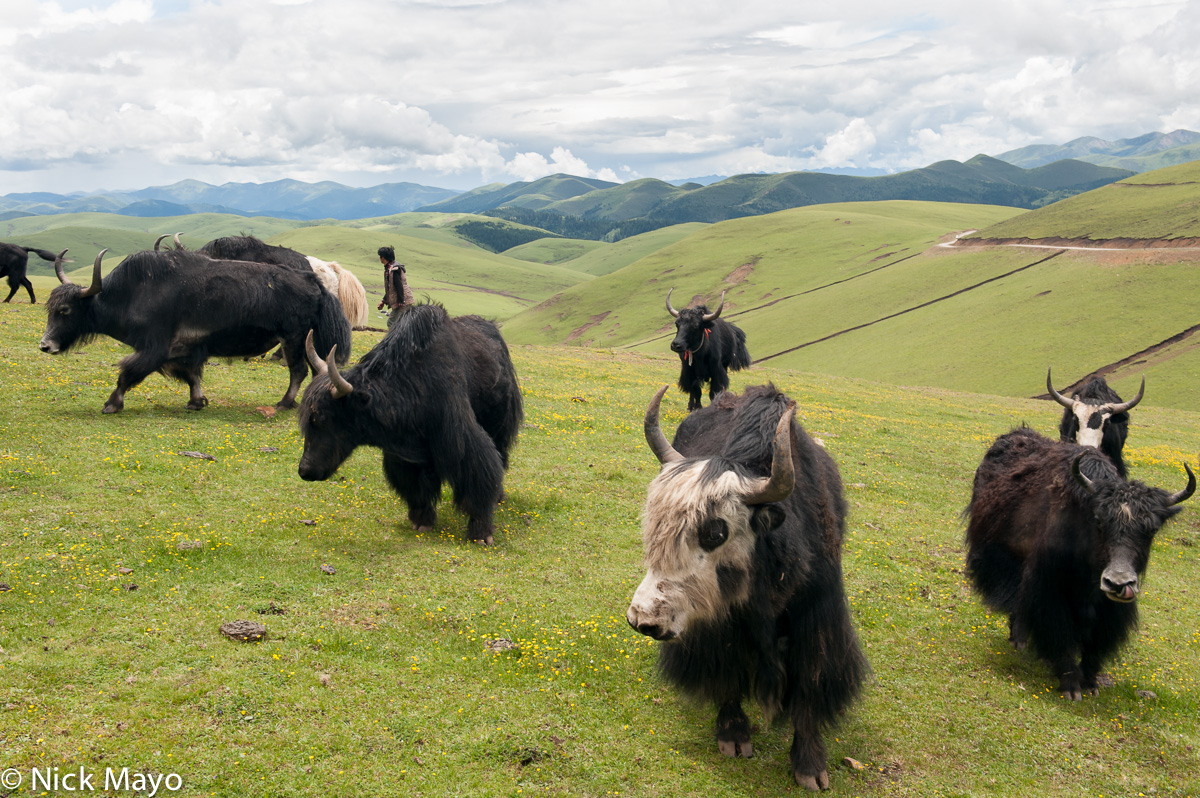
<point x="650" y="630"/>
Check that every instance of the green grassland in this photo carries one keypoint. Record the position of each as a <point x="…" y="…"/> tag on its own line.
<point x="618" y="255"/>
<point x="377" y="679"/>
<point x="1163" y="204"/>
<point x="756" y="260"/>
<point x="558" y="251"/>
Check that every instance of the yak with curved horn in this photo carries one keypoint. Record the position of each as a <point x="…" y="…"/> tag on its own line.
<point x="439" y="396"/>
<point x="1096" y="416"/>
<point x="708" y="347"/>
<point x="178" y="308"/>
<point x="742" y="532"/>
<point x="1057" y="540"/>
<point x="14" y="265"/>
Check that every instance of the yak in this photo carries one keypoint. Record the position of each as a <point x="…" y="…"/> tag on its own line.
<point x="178" y="308"/>
<point x="337" y="280"/>
<point x="1096" y="416"/>
<point x="708" y="348"/>
<point x="1057" y="539"/>
<point x="439" y="396"/>
<point x="742" y="532"/>
<point x="14" y="260"/>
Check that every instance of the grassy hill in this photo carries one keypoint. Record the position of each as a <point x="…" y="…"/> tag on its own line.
<point x="533" y="195"/>
<point x="1138" y="154"/>
<point x="376" y="671"/>
<point x="1163" y="204"/>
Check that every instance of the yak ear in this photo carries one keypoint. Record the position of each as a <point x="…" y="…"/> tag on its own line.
<point x="765" y="518"/>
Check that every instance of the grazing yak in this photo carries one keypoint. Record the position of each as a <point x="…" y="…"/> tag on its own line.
<point x="178" y="308"/>
<point x="1056" y="539"/>
<point x="708" y="348"/>
<point x="742" y="531"/>
<point x="14" y="260"/>
<point x="1096" y="416"/>
<point x="339" y="282"/>
<point x="439" y="396"/>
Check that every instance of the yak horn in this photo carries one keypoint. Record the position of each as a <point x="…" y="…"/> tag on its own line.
<point x="670" y="309"/>
<point x="782" y="481"/>
<point x="1058" y="397"/>
<point x="717" y="312"/>
<point x="662" y="449"/>
<point x="94" y="288"/>
<point x="1122" y="407"/>
<point x="314" y="360"/>
<point x="338" y="385"/>
<point x="1183" y="495"/>
<point x="58" y="269"/>
<point x="1082" y="478"/>
<point x="158" y="240"/>
<point x="178" y="243"/>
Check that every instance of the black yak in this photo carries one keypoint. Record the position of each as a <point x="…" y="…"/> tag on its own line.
<point x="337" y="280"/>
<point x="1056" y="539"/>
<point x="178" y="308"/>
<point x="708" y="348"/>
<point x="439" y="396"/>
<point x="1096" y="416"/>
<point x="742" y="532"/>
<point x="14" y="260"/>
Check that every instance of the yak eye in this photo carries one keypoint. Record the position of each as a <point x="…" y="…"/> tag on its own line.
<point x="65" y="311"/>
<point x="712" y="534"/>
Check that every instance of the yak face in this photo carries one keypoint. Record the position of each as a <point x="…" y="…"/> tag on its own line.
<point x="327" y="417"/>
<point x="1089" y="424"/>
<point x="691" y="332"/>
<point x="1095" y="413"/>
<point x="1128" y="515"/>
<point x="699" y="537"/>
<point x="67" y="313"/>
<point x="700" y="529"/>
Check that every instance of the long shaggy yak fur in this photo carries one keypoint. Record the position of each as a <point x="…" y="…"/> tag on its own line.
<point x="440" y="396"/>
<point x="787" y="639"/>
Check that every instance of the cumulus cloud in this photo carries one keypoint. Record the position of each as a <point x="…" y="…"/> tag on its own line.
<point x="458" y="92"/>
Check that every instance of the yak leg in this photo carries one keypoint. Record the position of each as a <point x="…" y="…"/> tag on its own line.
<point x="473" y="468"/>
<point x="808" y="755"/>
<point x="298" y="367"/>
<point x="191" y="371"/>
<point x="418" y="485"/>
<point x="1018" y="635"/>
<point x="733" y="730"/>
<point x="1052" y="626"/>
<point x="15" y="284"/>
<point x="134" y="369"/>
<point x="718" y="383"/>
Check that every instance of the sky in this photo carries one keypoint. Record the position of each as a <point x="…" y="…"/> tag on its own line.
<point x="124" y="94"/>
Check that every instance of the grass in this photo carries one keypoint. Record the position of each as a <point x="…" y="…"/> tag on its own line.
<point x="1159" y="204"/>
<point x="377" y="679"/>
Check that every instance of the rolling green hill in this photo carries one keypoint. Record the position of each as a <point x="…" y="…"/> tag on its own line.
<point x="1139" y="154"/>
<point x="534" y="195"/>
<point x="1164" y="204"/>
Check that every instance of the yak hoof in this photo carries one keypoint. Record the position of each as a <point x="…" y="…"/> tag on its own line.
<point x="488" y="541"/>
<point x="285" y="404"/>
<point x="112" y="408"/>
<point x="198" y="404"/>
<point x="423" y="527"/>
<point x="733" y="749"/>
<point x="814" y="783"/>
<point x="1072" y="694"/>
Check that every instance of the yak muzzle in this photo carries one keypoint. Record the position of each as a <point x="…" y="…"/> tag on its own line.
<point x="1119" y="588"/>
<point x="648" y="629"/>
<point x="49" y="347"/>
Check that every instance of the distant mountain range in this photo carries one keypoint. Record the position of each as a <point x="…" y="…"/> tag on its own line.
<point x="282" y="199"/>
<point x="587" y="208"/>
<point x="1140" y="154"/>
<point x="1026" y="178"/>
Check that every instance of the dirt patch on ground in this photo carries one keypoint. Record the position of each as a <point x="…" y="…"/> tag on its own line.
<point x="1090" y="243"/>
<point x="592" y="322"/>
<point x="742" y="273"/>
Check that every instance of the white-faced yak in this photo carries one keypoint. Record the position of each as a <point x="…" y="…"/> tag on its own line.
<point x="1057" y="539"/>
<point x="1096" y="416"/>
<point x="14" y="261"/>
<point x="742" y="532"/>
<point x="708" y="347"/>
<point x="178" y="308"/>
<point x="439" y="396"/>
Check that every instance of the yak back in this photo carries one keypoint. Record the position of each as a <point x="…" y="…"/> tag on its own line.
<point x="791" y="645"/>
<point x="250" y="248"/>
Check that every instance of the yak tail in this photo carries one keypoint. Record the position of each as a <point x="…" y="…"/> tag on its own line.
<point x="41" y="253"/>
<point x="353" y="296"/>
<point x="331" y="329"/>
<point x="741" y="355"/>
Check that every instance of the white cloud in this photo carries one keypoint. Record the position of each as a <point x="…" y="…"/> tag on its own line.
<point x="463" y="91"/>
